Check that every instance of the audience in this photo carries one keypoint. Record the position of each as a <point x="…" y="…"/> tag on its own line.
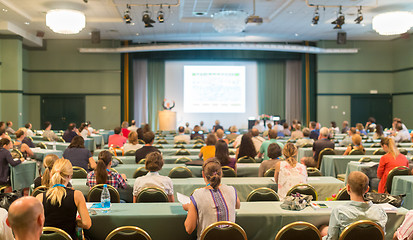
<point x="371" y="124"/>
<point x="265" y="133"/>
<point x="233" y="133"/>
<point x="29" y="131"/>
<point x="272" y="135"/>
<point x="405" y="231"/>
<point x="357" y="209"/>
<point x="132" y="144"/>
<point x="297" y="133"/>
<point x="286" y="131"/>
<point x="62" y="204"/>
<point x="393" y="158"/>
<point x="117" y="140"/>
<point x="347" y="140"/>
<point x="356" y="145"/>
<point x="319" y="145"/>
<point x="141" y="153"/>
<point x="246" y="148"/>
<point x="199" y="209"/>
<point x="360" y="129"/>
<point x="70" y="132"/>
<point x="9" y="129"/>
<point x="48" y="133"/>
<point x="48" y="163"/>
<point x="334" y="129"/>
<point x="222" y="155"/>
<point x="3" y="134"/>
<point x="188" y="130"/>
<point x="197" y="133"/>
<point x="2" y="125"/>
<point x="314" y="132"/>
<point x="217" y="126"/>
<point x="125" y="131"/>
<point x="289" y="173"/>
<point x="84" y="131"/>
<point x="5" y="160"/>
<point x="22" y="147"/>
<point x="132" y="126"/>
<point x="153" y="164"/>
<point x="274" y="153"/>
<point x="220" y="135"/>
<point x="401" y="135"/>
<point x="203" y="129"/>
<point x="26" y="218"/>
<point x="28" y="141"/>
<point x="306" y="140"/>
<point x="208" y="151"/>
<point x="103" y="175"/>
<point x="345" y="127"/>
<point x="78" y="155"/>
<point x="182" y="137"/>
<point x="258" y="126"/>
<point x="256" y="139"/>
<point x="378" y="134"/>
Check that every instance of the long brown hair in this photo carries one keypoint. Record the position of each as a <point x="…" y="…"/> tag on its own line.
<point x="104" y="159"/>
<point x="247" y="148"/>
<point x="289" y="152"/>
<point x="389" y="142"/>
<point x="48" y="163"/>
<point x="222" y="152"/>
<point x="212" y="172"/>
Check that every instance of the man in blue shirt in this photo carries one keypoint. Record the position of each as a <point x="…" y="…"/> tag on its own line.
<point x="272" y="135"/>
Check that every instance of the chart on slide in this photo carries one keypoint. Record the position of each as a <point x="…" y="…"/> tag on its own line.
<point x="217" y="89"/>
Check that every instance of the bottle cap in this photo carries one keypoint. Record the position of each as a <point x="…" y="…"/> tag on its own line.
<point x="105" y="185"/>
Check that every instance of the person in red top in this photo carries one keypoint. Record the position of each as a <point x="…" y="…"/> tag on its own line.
<point x="393" y="158"/>
<point x="117" y="140"/>
<point x="125" y="130"/>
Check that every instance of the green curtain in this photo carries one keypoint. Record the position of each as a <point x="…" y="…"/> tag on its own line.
<point x="156" y="90"/>
<point x="271" y="87"/>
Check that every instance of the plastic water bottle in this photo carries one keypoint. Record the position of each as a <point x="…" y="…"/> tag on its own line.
<point x="105" y="198"/>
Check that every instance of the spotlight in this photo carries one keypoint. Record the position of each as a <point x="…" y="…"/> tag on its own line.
<point x="340" y="19"/>
<point x="160" y="15"/>
<point x="126" y="15"/>
<point x="359" y="18"/>
<point x="316" y="16"/>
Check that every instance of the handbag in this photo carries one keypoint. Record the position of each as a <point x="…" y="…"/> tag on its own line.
<point x="6" y="199"/>
<point x="296" y="202"/>
<point x="396" y="201"/>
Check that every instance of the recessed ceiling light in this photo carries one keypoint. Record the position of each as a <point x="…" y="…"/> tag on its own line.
<point x="137" y="34"/>
<point x="172" y="24"/>
<point x="296" y="34"/>
<point x="132" y="24"/>
<point x="363" y="25"/>
<point x="5" y="10"/>
<point x="27" y="23"/>
<point x="290" y="12"/>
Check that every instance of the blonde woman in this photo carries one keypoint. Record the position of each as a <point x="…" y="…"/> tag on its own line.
<point x="48" y="163"/>
<point x="132" y="143"/>
<point x="289" y="173"/>
<point x="356" y="145"/>
<point x="61" y="204"/>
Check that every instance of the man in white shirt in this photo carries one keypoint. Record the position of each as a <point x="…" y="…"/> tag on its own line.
<point x="401" y="135"/>
<point x="201" y="124"/>
<point x="29" y="131"/>
<point x="133" y="126"/>
<point x="256" y="139"/>
<point x="5" y="231"/>
<point x="258" y="126"/>
<point x="181" y="136"/>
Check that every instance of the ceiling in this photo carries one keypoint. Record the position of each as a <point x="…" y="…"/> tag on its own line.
<point x="284" y="20"/>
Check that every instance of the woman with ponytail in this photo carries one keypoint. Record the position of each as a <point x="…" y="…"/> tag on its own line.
<point x="393" y="158"/>
<point x="48" y="163"/>
<point x="289" y="173"/>
<point x="215" y="202"/>
<point x="102" y="174"/>
<point x="61" y="204"/>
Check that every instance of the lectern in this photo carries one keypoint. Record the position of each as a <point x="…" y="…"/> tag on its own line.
<point x="167" y="120"/>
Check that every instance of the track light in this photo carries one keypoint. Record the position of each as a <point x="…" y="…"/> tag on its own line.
<point x="359" y="18"/>
<point x="146" y="18"/>
<point x="126" y="16"/>
<point x="316" y="16"/>
<point x="160" y="15"/>
<point x="340" y="19"/>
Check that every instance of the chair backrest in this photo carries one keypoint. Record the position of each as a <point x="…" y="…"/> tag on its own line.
<point x="307" y="145"/>
<point x="60" y="139"/>
<point x="403" y="151"/>
<point x="397" y="171"/>
<point x="312" y="171"/>
<point x="162" y="141"/>
<point x="140" y="172"/>
<point x="152" y="194"/>
<point x="46" y="139"/>
<point x="118" y="159"/>
<point x="299" y="230"/>
<point x="159" y="146"/>
<point x="53" y="233"/>
<point x="375" y="145"/>
<point x="365" y="159"/>
<point x="379" y="151"/>
<point x="198" y="145"/>
<point x="79" y="172"/>
<point x="96" y="191"/>
<point x="113" y="170"/>
<point x="262" y="194"/>
<point x="182" y="160"/>
<point x="16" y="153"/>
<point x="142" y="161"/>
<point x="363" y="229"/>
<point x="130" y="153"/>
<point x="306" y="189"/>
<point x="342" y="194"/>
<point x="199" y="140"/>
<point x="38" y="190"/>
<point x="231" y="152"/>
<point x="180" y="172"/>
<point x="325" y="151"/>
<point x="356" y="152"/>
<point x="180" y="142"/>
<point x="41" y="145"/>
<point x="127" y="233"/>
<point x="246" y="159"/>
<point x="182" y="152"/>
<point x="269" y="173"/>
<point x="140" y="141"/>
<point x="223" y="230"/>
<point x="228" y="172"/>
<point x="179" y="145"/>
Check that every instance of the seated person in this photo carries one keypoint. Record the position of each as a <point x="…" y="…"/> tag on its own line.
<point x="132" y="144"/>
<point x="217" y="126"/>
<point x="78" y="155"/>
<point x="203" y="209"/>
<point x="103" y="175"/>
<point x="274" y="153"/>
<point x="358" y="209"/>
<point x="116" y="140"/>
<point x="29" y="131"/>
<point x="48" y="163"/>
<point x="48" y="133"/>
<point x="26" y="139"/>
<point x="272" y="135"/>
<point x="9" y="129"/>
<point x="289" y="173"/>
<point x="405" y="231"/>
<point x="233" y="133"/>
<point x="188" y="130"/>
<point x="153" y="164"/>
<point x="22" y="147"/>
<point x="222" y="155"/>
<point x="246" y="148"/>
<point x="305" y="140"/>
<point x="347" y="139"/>
<point x="297" y="134"/>
<point x="208" y="151"/>
<point x="220" y="135"/>
<point x="5" y="160"/>
<point x="141" y="153"/>
<point x="401" y="135"/>
<point x="197" y="133"/>
<point x="256" y="139"/>
<point x="319" y="145"/>
<point x="182" y="137"/>
<point x="355" y="145"/>
<point x="3" y="134"/>
<point x="360" y="129"/>
<point x="84" y="130"/>
<point x="125" y="130"/>
<point x="70" y="132"/>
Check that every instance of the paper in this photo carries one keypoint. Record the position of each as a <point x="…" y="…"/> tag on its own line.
<point x="182" y="198"/>
<point x="388" y="208"/>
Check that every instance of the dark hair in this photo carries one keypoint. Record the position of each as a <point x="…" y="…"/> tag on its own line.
<point x="285" y="125"/>
<point x="222" y="153"/>
<point x="48" y="163"/>
<point x="146" y="128"/>
<point x="181" y="129"/>
<point x="83" y="126"/>
<point x="71" y="126"/>
<point x="211" y="139"/>
<point x="133" y="123"/>
<point x="372" y="120"/>
<point x="148" y="137"/>
<point x="399" y="126"/>
<point x="247" y="148"/>
<point x="333" y="124"/>
<point x="272" y="134"/>
<point x="46" y="124"/>
<point x="104" y="159"/>
<point x="19" y="133"/>
<point x="8" y="123"/>
<point x="154" y="161"/>
<point x="77" y="142"/>
<point x="2" y="131"/>
<point x="306" y="132"/>
<point x="1" y="124"/>
<point x="274" y="151"/>
<point x="140" y="133"/>
<point x="353" y="130"/>
<point x="379" y="129"/>
<point x="117" y="130"/>
<point x="27" y="125"/>
<point x="212" y="172"/>
<point x="4" y="141"/>
<point x="313" y="124"/>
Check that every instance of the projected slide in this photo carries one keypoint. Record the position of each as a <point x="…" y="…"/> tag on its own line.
<point x="217" y="89"/>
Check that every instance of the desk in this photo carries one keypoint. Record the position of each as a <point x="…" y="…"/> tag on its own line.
<point x="23" y="175"/>
<point x="325" y="186"/>
<point x="331" y="165"/>
<point x="59" y="145"/>
<point x="39" y="153"/>
<point x="403" y="185"/>
<point x="105" y="134"/>
<point x="361" y="167"/>
<point x="89" y="144"/>
<point x="260" y="220"/>
<point x="166" y="159"/>
<point x="99" y="141"/>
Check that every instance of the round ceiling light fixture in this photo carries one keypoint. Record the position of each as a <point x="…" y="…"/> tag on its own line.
<point x="392" y="23"/>
<point x="65" y="21"/>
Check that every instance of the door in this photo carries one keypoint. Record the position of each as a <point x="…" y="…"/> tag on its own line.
<point x="377" y="106"/>
<point x="61" y="110"/>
